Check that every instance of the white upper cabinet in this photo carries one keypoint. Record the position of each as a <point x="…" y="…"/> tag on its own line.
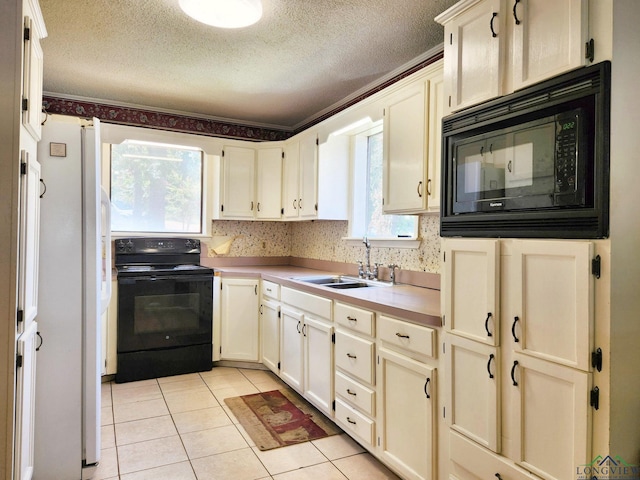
<point x="300" y="178"/>
<point x="34" y="31"/>
<point x="269" y="183"/>
<point x="494" y="47"/>
<point x="412" y="117"/>
<point x="238" y="182"/>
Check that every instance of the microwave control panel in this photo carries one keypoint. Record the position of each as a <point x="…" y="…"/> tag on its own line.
<point x="566" y="153"/>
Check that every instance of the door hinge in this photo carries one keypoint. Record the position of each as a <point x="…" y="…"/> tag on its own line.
<point x="316" y="207"/>
<point x="223" y="153"/>
<point x="589" y="50"/>
<point x="333" y="338"/>
<point x="333" y="405"/>
<point x="595" y="266"/>
<point x="283" y="154"/>
<point x="220" y="349"/>
<point x="444" y="412"/>
<point x="451" y="39"/>
<point x="317" y="141"/>
<point x="444" y="257"/>
<point x="25" y="104"/>
<point x="20" y="316"/>
<point x="279" y="314"/>
<point x="27" y="33"/>
<point x="222" y="208"/>
<point x="18" y="361"/>
<point x="282" y="211"/>
<point x="278" y="365"/>
<point x="23" y="168"/>
<point x="594" y="400"/>
<point x="596" y="359"/>
<point x="444" y="320"/>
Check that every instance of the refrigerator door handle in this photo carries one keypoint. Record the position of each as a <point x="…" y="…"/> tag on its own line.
<point x="106" y="245"/>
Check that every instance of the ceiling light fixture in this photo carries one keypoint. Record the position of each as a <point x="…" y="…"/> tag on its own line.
<point x="223" y="13"/>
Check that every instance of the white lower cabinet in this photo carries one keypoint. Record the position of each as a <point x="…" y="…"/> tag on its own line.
<point x="407" y="415"/>
<point x="306" y="346"/>
<point x="240" y="324"/>
<point x="270" y="326"/>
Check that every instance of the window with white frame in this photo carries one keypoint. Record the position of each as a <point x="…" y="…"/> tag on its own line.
<point x="367" y="218"/>
<point x="156" y="188"/>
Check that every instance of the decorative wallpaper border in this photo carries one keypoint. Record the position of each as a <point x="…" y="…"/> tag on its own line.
<point x="214" y="128"/>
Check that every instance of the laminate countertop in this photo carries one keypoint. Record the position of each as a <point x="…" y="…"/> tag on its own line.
<point x="407" y="302"/>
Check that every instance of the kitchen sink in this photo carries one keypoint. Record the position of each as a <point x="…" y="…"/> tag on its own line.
<point x="340" y="282"/>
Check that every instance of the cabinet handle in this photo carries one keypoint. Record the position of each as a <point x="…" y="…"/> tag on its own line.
<point x="44" y="186"/>
<point x="255" y="289"/>
<point x="429" y="187"/>
<point x="491" y="357"/>
<point x="261" y="309"/>
<point x="419" y="189"/>
<point x="515" y="14"/>
<point x="426" y="384"/>
<point x="513" y="373"/>
<point x="351" y="393"/>
<point x="258" y="206"/>
<point x="304" y="330"/>
<point x="510" y="166"/>
<point x="351" y="356"/>
<point x="493" y="32"/>
<point x="513" y="329"/>
<point x="498" y="476"/>
<point x="352" y="319"/>
<point x="300" y="203"/>
<point x="486" y="324"/>
<point x="350" y="421"/>
<point x="268" y="289"/>
<point x="295" y="206"/>
<point x="401" y="335"/>
<point x="298" y="326"/>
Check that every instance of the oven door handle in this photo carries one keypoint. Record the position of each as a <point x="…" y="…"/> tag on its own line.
<point x="178" y="278"/>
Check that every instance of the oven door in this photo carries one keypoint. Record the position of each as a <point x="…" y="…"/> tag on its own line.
<point x="164" y="311"/>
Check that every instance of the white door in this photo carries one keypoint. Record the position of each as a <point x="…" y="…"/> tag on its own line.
<point x="269" y="183"/>
<point x="471" y="289"/>
<point x="407" y="390"/>
<point x="270" y="334"/>
<point x="473" y="396"/>
<point x="238" y="166"/>
<point x="553" y="300"/>
<point x="29" y="240"/>
<point x="240" y="323"/>
<point x="291" y="180"/>
<point x="548" y="39"/>
<point x="474" y="45"/>
<point x="404" y="147"/>
<point x="318" y="363"/>
<point x="25" y="403"/>
<point x="291" y="346"/>
<point x="554" y="399"/>
<point x="308" y="195"/>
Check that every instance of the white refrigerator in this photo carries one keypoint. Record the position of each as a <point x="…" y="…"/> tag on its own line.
<point x="74" y="291"/>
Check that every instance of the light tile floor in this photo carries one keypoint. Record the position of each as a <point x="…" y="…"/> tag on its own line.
<point x="179" y="428"/>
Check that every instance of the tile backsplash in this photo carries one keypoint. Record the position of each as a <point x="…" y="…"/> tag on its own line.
<point x="322" y="240"/>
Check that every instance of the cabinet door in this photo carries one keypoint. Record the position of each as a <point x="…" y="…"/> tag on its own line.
<point x="552" y="417"/>
<point x="240" y="323"/>
<point x="25" y="404"/>
<point x="270" y="334"/>
<point x="548" y="39"/>
<point x="318" y="363"/>
<point x="474" y="50"/>
<point x="238" y="166"/>
<point x="473" y="400"/>
<point x="408" y="406"/>
<point x="404" y="150"/>
<point x="29" y="240"/>
<point x="291" y="180"/>
<point x="291" y="347"/>
<point x="434" y="140"/>
<point x="308" y="195"/>
<point x="553" y="300"/>
<point x="471" y="289"/>
<point x="32" y="79"/>
<point x="269" y="187"/>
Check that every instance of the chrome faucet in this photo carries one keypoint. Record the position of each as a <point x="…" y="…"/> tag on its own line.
<point x="364" y="271"/>
<point x="392" y="272"/>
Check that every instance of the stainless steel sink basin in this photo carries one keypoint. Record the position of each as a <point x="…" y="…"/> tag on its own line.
<point x="340" y="281"/>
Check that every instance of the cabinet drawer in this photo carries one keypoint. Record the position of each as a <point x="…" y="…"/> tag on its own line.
<point x="472" y="457"/>
<point x="270" y="289"/>
<point x="355" y="423"/>
<point x="305" y="301"/>
<point x="408" y="336"/>
<point x="354" y="318"/>
<point x="354" y="355"/>
<point x="355" y="393"/>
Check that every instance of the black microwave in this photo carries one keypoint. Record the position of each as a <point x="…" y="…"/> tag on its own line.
<point x="531" y="164"/>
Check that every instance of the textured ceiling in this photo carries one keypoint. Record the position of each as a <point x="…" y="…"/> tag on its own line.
<point x="302" y="57"/>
